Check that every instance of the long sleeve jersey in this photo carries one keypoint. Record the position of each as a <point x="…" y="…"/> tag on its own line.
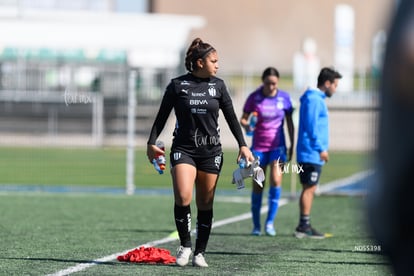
<point x="271" y="112"/>
<point x="196" y="102"/>
<point x="313" y="135"/>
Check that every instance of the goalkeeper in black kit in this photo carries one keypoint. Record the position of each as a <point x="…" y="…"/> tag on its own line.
<point x="196" y="153"/>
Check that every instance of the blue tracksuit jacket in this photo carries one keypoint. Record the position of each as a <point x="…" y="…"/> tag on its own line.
<point x="313" y="134"/>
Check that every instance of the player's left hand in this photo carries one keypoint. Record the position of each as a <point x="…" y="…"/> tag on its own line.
<point x="324" y="156"/>
<point x="246" y="153"/>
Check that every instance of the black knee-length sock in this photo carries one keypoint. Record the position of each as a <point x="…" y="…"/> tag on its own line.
<point x="182" y="215"/>
<point x="204" y="222"/>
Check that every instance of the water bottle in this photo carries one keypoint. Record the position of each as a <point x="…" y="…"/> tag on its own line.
<point x="252" y="123"/>
<point x="159" y="160"/>
<point x="242" y="163"/>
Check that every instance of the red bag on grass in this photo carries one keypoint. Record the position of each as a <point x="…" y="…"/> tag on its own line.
<point x="150" y="255"/>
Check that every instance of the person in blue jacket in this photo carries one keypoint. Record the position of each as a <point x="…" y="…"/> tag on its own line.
<point x="312" y="145"/>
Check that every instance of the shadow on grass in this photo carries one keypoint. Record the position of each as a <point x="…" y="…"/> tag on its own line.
<point x="342" y="251"/>
<point x="64" y="261"/>
<point x="215" y="233"/>
<point x="110" y="263"/>
<point x="340" y="262"/>
<point x="248" y="234"/>
<point x="232" y="253"/>
<point x="168" y="231"/>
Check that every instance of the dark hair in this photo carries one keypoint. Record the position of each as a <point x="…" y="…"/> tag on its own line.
<point x="328" y="74"/>
<point x="270" y="71"/>
<point x="198" y="49"/>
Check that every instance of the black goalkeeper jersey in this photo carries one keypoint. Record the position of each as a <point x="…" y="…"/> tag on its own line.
<point x="196" y="102"/>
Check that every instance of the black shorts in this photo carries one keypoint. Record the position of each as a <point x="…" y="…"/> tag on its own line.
<point x="205" y="164"/>
<point x="309" y="173"/>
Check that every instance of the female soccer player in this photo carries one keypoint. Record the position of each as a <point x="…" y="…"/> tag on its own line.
<point x="272" y="107"/>
<point x="196" y="152"/>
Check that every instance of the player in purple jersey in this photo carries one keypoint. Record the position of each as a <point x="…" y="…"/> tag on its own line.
<point x="273" y="106"/>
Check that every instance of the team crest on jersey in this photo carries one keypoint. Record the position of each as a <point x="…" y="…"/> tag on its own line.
<point x="212" y="91"/>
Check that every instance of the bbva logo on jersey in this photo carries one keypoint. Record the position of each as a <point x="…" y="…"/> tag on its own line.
<point x="198" y="102"/>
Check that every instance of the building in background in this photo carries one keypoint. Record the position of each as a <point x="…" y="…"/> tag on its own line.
<point x="252" y="35"/>
<point x="64" y="66"/>
<point x="58" y="58"/>
<point x="135" y="6"/>
<point x="249" y="35"/>
<point x="52" y="45"/>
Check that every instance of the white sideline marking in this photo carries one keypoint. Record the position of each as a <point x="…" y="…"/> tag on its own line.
<point x="326" y="187"/>
<point x="344" y="181"/>
<point x="232" y="199"/>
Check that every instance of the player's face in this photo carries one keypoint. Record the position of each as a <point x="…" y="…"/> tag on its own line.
<point x="270" y="85"/>
<point x="209" y="66"/>
<point x="331" y="87"/>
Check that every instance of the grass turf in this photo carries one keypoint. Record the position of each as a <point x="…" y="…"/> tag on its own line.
<point x="106" y="167"/>
<point x="43" y="233"/>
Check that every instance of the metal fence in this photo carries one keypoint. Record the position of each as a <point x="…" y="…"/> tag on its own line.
<point x="84" y="110"/>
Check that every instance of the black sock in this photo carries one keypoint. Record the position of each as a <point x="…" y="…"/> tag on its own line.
<point x="182" y="215"/>
<point x="204" y="222"/>
<point x="304" y="221"/>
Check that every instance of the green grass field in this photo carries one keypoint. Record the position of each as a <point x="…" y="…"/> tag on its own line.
<point x="46" y="233"/>
<point x="107" y="167"/>
<point x="43" y="233"/>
